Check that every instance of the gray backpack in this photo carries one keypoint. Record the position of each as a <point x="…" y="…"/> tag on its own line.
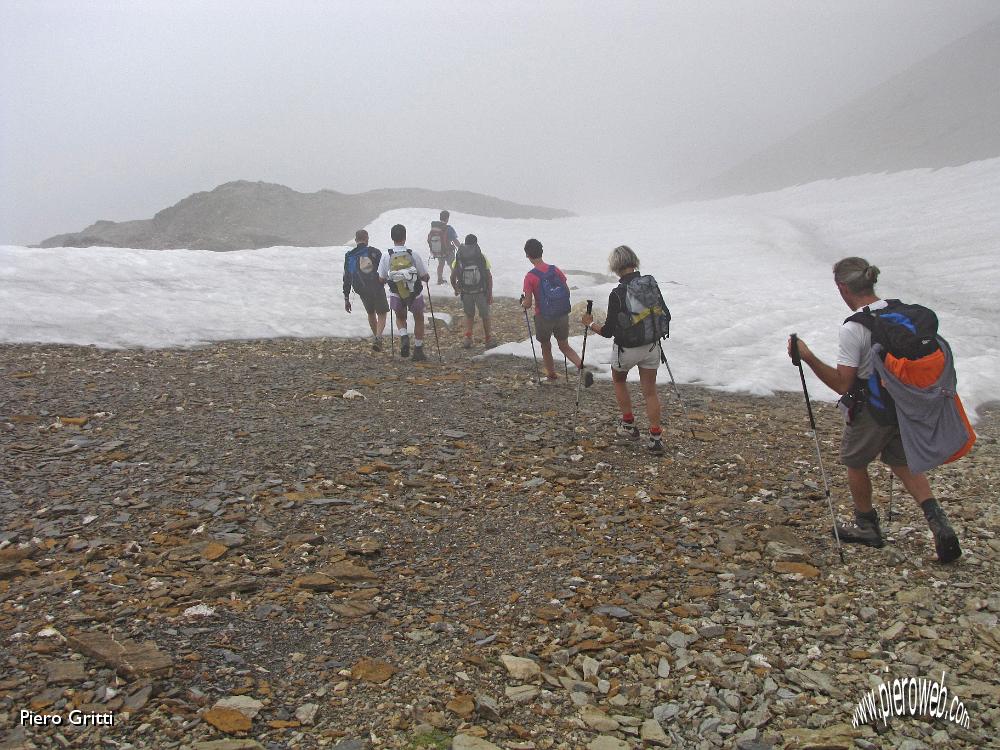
<point x="644" y="318"/>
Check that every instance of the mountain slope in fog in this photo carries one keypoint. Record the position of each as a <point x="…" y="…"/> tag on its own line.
<point x="943" y="111"/>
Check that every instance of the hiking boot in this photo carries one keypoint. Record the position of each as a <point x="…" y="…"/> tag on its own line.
<point x="627" y="430"/>
<point x="490" y="343"/>
<point x="377" y="344"/>
<point x="404" y="346"/>
<point x="467" y="343"/>
<point x="654" y="443"/>
<point x="945" y="540"/>
<point x="418" y="354"/>
<point x="865" y="530"/>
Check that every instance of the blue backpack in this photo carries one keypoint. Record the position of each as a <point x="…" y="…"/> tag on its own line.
<point x="362" y="268"/>
<point x="553" y="294"/>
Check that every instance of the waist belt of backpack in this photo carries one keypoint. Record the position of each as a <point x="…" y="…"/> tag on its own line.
<point x="855" y="398"/>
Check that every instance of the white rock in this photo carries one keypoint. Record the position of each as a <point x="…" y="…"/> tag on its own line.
<point x="521" y="693"/>
<point x="663" y="668"/>
<point x="468" y="742"/>
<point x="651" y="731"/>
<point x="520" y="668"/>
<point x="306" y="713"/>
<point x="604" y="742"/>
<point x="595" y="718"/>
<point x="590" y="667"/>
<point x="246" y="705"/>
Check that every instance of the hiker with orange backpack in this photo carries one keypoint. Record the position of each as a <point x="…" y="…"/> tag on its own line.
<point x="880" y="336"/>
<point x="443" y="242"/>
<point x="546" y="289"/>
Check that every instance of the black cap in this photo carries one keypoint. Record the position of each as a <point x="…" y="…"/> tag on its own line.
<point x="471" y="239"/>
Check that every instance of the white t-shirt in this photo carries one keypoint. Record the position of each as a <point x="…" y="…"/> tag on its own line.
<point x="383" y="266"/>
<point x="855" y="344"/>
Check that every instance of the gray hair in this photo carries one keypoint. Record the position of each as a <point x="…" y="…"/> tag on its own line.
<point x="857" y="274"/>
<point x="621" y="258"/>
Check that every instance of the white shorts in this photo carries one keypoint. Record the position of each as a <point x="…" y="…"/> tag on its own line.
<point x="624" y="359"/>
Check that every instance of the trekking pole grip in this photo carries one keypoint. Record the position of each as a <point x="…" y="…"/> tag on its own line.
<point x="796" y="360"/>
<point x="590" y="306"/>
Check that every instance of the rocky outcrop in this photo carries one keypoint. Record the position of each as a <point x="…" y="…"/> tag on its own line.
<point x="241" y="215"/>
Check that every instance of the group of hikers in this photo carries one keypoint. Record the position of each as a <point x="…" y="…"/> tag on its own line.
<point x="370" y="272"/>
<point x="894" y="373"/>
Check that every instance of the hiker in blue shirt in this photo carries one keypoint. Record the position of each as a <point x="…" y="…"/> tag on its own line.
<point x="361" y="274"/>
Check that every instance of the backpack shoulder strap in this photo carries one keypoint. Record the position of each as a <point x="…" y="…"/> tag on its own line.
<point x="537" y="273"/>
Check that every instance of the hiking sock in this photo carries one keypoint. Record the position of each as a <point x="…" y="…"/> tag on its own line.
<point x="945" y="540"/>
<point x="630" y="417"/>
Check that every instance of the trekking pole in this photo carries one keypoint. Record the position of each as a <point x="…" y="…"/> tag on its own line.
<point x="430" y="303"/>
<point x="531" y="338"/>
<point x="566" y="368"/>
<point x="891" y="477"/>
<point x="677" y="393"/>
<point x="797" y="361"/>
<point x="583" y="355"/>
<point x="392" y="334"/>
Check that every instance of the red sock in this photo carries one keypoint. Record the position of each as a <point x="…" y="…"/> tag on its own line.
<point x="655" y="430"/>
<point x="628" y="417"/>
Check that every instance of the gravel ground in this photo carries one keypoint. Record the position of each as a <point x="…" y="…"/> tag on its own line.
<point x="214" y="545"/>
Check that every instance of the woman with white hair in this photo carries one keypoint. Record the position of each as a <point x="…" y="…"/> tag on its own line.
<point x="637" y="320"/>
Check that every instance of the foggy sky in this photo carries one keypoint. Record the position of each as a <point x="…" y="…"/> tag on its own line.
<point x="114" y="110"/>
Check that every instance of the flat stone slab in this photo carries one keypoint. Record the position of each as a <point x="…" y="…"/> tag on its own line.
<point x="123" y="655"/>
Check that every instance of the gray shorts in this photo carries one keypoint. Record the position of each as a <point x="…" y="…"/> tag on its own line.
<point x="865" y="439"/>
<point x="545" y="328"/>
<point x="646" y="357"/>
<point x="475" y="301"/>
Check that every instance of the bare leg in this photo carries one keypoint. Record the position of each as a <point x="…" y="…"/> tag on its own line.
<point x="647" y="381"/>
<point x="486" y="328"/>
<point x="620" y="381"/>
<point x="373" y="323"/>
<point x="916" y="484"/>
<point x="550" y="368"/>
<point x="441" y="270"/>
<point x="861" y="488"/>
<point x="571" y="355"/>
<point x="418" y="325"/>
<point x="380" y="324"/>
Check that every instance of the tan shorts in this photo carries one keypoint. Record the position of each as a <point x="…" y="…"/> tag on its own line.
<point x="865" y="439"/>
<point x="545" y="328"/>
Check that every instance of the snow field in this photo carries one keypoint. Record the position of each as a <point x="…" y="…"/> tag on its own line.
<point x="739" y="275"/>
